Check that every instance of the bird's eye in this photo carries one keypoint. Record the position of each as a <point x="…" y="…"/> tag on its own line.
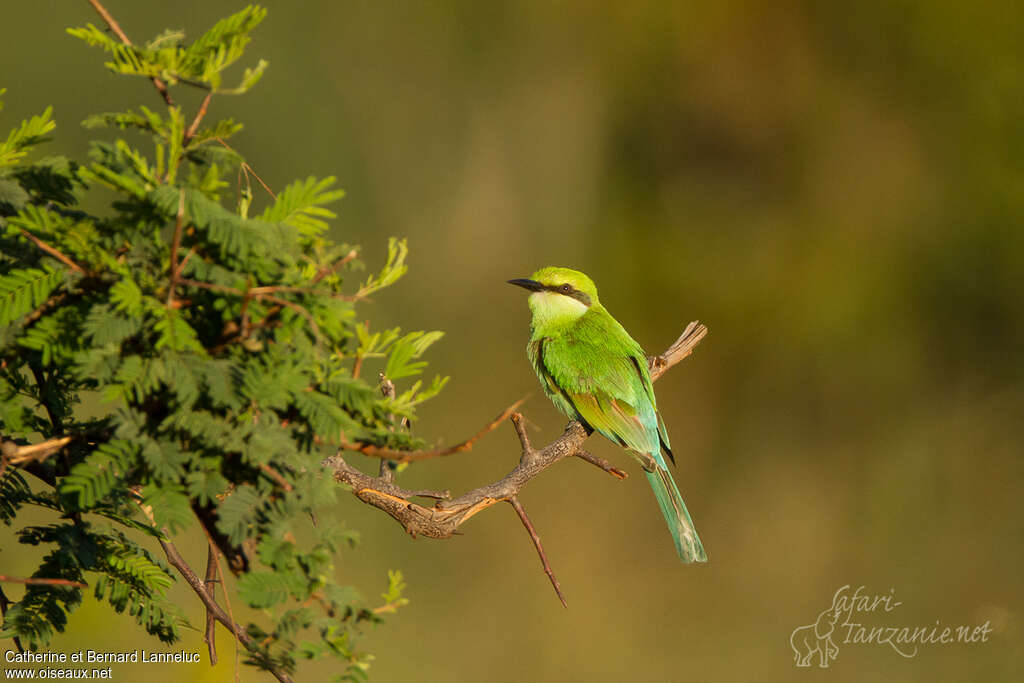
<point x="565" y="288"/>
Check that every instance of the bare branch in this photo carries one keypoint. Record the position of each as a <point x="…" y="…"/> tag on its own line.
<point x="525" y="519"/>
<point x="445" y="517"/>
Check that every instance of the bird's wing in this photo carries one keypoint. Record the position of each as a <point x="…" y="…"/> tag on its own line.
<point x="595" y="368"/>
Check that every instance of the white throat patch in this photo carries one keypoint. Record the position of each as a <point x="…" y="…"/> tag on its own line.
<point x="554" y="307"/>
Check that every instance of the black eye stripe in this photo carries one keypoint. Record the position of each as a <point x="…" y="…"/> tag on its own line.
<point x="572" y="291"/>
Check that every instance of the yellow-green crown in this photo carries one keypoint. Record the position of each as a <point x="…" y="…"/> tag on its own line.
<point x="553" y="276"/>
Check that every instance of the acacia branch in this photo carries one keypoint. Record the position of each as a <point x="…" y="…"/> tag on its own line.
<point x="160" y="86"/>
<point x="443" y="519"/>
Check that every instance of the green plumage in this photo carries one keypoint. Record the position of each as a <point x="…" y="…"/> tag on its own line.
<point x="594" y="372"/>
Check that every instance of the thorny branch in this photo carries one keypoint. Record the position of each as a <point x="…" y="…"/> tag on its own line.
<point x="444" y="518"/>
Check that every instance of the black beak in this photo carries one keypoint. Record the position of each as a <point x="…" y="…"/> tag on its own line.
<point x="526" y="283"/>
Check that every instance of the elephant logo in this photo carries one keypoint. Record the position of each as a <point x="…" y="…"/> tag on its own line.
<point x="816" y="638"/>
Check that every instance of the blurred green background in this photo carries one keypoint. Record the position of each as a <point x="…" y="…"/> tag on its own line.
<point x="835" y="189"/>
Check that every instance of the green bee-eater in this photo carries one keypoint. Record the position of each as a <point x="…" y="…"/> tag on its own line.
<point x="594" y="372"/>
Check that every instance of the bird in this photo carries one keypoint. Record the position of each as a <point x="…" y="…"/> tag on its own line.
<point x="595" y="373"/>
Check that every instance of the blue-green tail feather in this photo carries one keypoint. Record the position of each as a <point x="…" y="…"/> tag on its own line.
<point x="684" y="534"/>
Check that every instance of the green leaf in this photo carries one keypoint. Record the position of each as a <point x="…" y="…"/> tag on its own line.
<point x="30" y="133"/>
<point x="237" y="512"/>
<point x="92" y="480"/>
<point x="12" y="196"/>
<point x="13" y="492"/>
<point x="300" y="205"/>
<point x="406" y="350"/>
<point x="175" y="333"/>
<point x="105" y="326"/>
<point x="392" y="270"/>
<point x="264" y="589"/>
<point x="23" y="290"/>
<point x="170" y="507"/>
<point x="127" y="296"/>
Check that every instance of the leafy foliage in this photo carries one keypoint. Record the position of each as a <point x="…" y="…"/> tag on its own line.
<point x="224" y="354"/>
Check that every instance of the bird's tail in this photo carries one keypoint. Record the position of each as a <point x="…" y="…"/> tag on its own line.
<point x="680" y="525"/>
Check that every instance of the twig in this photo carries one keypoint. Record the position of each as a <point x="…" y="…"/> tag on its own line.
<point x="342" y="262"/>
<point x="181" y="266"/>
<point x="412" y="456"/>
<point x="212" y="548"/>
<point x="194" y="128"/>
<point x="42" y="582"/>
<point x="53" y="252"/>
<point x="357" y="366"/>
<point x="179" y="224"/>
<point x="211" y="622"/>
<point x="525" y="519"/>
<point x="602" y="463"/>
<point x="247" y="169"/>
<point x="44" y="307"/>
<point x="116" y="28"/>
<point x="276" y="476"/>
